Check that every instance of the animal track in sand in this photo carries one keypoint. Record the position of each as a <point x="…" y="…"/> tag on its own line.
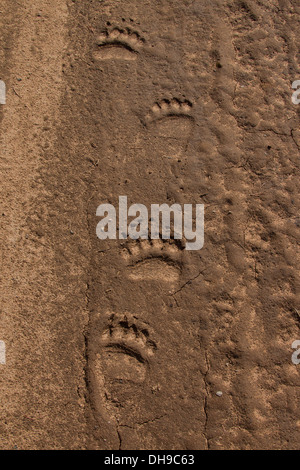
<point x="119" y="43"/>
<point x="172" y="124"/>
<point x="170" y="115"/>
<point x="126" y="348"/>
<point x="154" y="260"/>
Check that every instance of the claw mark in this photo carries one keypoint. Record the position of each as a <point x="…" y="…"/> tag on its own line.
<point x="169" y="108"/>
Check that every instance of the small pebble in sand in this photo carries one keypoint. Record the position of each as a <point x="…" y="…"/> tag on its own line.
<point x="219" y="394"/>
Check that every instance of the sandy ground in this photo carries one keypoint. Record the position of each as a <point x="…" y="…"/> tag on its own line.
<point x="124" y="345"/>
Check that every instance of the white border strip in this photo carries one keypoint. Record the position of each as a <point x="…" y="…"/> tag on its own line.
<point x="2" y="92"/>
<point x="295" y="96"/>
<point x="2" y="353"/>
